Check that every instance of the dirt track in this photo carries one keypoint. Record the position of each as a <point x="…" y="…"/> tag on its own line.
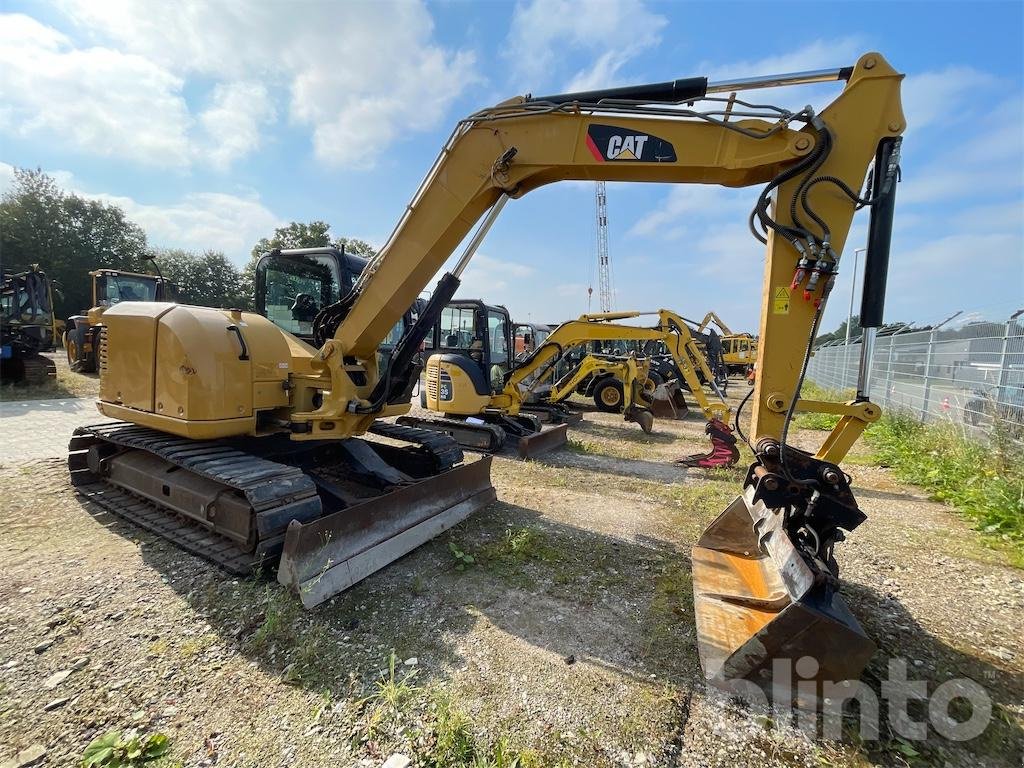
<point x="569" y="639"/>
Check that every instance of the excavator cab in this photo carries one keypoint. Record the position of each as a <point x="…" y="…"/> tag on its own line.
<point x="293" y="285"/>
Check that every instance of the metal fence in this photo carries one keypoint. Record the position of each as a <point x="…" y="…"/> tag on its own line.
<point x="971" y="375"/>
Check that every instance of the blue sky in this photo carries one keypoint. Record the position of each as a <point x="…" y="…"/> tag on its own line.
<point x="212" y="123"/>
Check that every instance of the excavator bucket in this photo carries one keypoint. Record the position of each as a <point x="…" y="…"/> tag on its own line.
<point x="326" y="556"/>
<point x="669" y="402"/>
<point x="551" y="436"/>
<point x="760" y="610"/>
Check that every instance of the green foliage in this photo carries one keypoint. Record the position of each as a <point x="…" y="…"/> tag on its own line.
<point x="521" y="545"/>
<point x="315" y="234"/>
<point x="125" y="750"/>
<point x="206" y="280"/>
<point x="462" y="559"/>
<point x="66" y="235"/>
<point x="984" y="481"/>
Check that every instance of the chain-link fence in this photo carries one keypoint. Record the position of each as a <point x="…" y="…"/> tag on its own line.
<point x="972" y="375"/>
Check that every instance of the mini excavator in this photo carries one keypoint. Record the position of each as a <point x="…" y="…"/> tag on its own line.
<point x="242" y="441"/>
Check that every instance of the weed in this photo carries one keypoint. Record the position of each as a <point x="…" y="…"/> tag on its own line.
<point x="822" y="421"/>
<point x="581" y="446"/>
<point x="462" y="559"/>
<point x="984" y="481"/>
<point x="125" y="750"/>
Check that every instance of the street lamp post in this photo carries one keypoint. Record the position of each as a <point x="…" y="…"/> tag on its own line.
<point x="849" y="314"/>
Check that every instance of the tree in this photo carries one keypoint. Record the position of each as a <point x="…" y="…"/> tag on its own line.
<point x="315" y="234"/>
<point x="206" y="280"/>
<point x="66" y="235"/>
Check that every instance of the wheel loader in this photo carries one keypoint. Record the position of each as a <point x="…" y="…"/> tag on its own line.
<point x="26" y="327"/>
<point x="240" y="439"/>
<point x="109" y="287"/>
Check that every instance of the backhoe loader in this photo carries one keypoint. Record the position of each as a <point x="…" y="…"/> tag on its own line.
<point x="254" y="435"/>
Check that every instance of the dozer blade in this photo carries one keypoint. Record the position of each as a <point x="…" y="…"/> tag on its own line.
<point x="326" y="556"/>
<point x="757" y="601"/>
<point x="550" y="437"/>
<point x="669" y="401"/>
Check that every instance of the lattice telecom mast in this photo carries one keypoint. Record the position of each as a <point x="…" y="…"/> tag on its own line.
<point x="604" y="267"/>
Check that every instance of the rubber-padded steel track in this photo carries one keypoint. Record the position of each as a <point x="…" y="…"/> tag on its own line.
<point x="446" y="451"/>
<point x="278" y="493"/>
<point x="175" y="528"/>
<point x="476" y="437"/>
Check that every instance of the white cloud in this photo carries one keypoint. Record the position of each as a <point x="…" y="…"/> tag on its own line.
<point x="198" y="221"/>
<point x="689" y="204"/>
<point x="201" y="220"/>
<point x="930" y="95"/>
<point x="486" y="278"/>
<point x="359" y="75"/>
<point x="612" y="31"/>
<point x="96" y="100"/>
<point x="571" y="290"/>
<point x="233" y="121"/>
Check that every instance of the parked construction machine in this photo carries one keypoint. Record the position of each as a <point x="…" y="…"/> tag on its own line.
<point x="739" y="350"/>
<point x="26" y="327"/>
<point x="258" y="438"/>
<point x="109" y="287"/>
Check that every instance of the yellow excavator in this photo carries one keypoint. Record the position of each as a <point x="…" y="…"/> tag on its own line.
<point x="739" y="350"/>
<point x="242" y="440"/>
<point x="641" y="402"/>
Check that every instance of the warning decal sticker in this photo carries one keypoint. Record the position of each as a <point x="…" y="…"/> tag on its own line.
<point x="780" y="301"/>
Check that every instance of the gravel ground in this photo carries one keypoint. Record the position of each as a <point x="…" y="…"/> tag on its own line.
<point x="568" y="640"/>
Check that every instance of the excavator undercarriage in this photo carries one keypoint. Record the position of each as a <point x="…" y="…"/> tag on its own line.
<point x="331" y="513"/>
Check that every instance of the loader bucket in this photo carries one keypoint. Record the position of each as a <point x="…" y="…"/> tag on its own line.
<point x="550" y="437"/>
<point x="669" y="402"/>
<point x="760" y="610"/>
<point x="326" y="556"/>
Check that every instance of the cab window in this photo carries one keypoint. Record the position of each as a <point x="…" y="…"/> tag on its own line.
<point x="117" y="288"/>
<point x="457" y="330"/>
<point x="296" y="288"/>
<point x="497" y="333"/>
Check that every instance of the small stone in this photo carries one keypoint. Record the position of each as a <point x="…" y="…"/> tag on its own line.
<point x="570" y="659"/>
<point x="43" y="646"/>
<point x="117" y="616"/>
<point x="56" y="704"/>
<point x="11" y="664"/>
<point x="27" y="590"/>
<point x="412" y="661"/>
<point x="396" y="761"/>
<point x="118" y="685"/>
<point x="27" y="757"/>
<point x="56" y="679"/>
<point x="80" y="663"/>
<point x="55" y="622"/>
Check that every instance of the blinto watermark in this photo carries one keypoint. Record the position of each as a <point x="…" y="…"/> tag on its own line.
<point x="797" y="692"/>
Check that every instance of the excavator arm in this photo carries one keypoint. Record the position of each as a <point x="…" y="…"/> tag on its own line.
<point x="805" y="159"/>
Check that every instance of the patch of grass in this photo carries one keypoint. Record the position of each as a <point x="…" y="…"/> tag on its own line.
<point x="821" y="421"/>
<point x="984" y="481"/>
<point x="670" y="606"/>
<point x="280" y="612"/>
<point x="581" y="446"/>
<point x="66" y="384"/>
<point x="521" y="545"/>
